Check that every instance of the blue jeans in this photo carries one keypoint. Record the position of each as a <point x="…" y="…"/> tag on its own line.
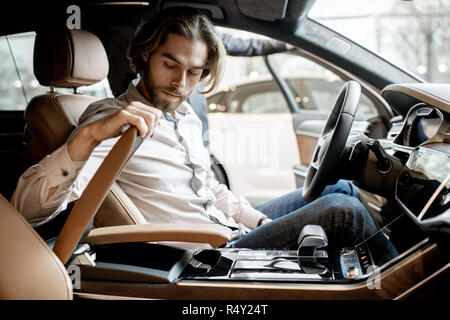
<point x="343" y="217"/>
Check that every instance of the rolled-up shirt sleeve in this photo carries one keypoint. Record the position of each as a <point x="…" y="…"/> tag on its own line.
<point x="55" y="170"/>
<point x="59" y="170"/>
<point x="233" y="206"/>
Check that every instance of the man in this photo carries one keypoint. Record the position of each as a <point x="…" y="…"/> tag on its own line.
<point x="169" y="177"/>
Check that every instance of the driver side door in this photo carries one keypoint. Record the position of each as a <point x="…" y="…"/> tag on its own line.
<point x="314" y="89"/>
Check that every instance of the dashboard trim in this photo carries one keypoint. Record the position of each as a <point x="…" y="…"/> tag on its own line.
<point x="437" y="95"/>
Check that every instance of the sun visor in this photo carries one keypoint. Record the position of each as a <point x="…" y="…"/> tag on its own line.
<point x="215" y="11"/>
<point x="268" y="10"/>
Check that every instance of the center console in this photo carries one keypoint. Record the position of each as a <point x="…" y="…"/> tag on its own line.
<point x="277" y="265"/>
<point x="158" y="264"/>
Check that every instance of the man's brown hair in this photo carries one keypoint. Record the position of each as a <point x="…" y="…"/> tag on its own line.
<point x="187" y="22"/>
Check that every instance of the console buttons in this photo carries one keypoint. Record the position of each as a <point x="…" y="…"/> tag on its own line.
<point x="364" y="257"/>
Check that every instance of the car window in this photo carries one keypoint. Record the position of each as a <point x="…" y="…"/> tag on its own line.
<point x="256" y="97"/>
<point x="18" y="85"/>
<point x="265" y="102"/>
<point x="314" y="87"/>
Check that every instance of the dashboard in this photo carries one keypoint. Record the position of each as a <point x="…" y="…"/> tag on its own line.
<point x="422" y="123"/>
<point x="423" y="185"/>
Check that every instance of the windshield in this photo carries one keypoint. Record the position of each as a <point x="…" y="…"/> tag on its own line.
<point x="413" y="35"/>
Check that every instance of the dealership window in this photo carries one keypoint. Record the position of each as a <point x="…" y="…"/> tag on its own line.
<point x="412" y="34"/>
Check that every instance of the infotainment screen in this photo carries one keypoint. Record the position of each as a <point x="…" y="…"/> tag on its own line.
<point x="424" y="183"/>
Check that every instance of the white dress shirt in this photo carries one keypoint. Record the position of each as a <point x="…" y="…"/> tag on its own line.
<point x="169" y="178"/>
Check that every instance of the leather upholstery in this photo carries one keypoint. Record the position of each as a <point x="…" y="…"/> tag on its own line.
<point x="69" y="58"/>
<point x="213" y="234"/>
<point x="306" y="146"/>
<point x="51" y="117"/>
<point x="118" y="209"/>
<point x="28" y="267"/>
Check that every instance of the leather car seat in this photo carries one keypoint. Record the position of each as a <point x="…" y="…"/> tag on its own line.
<point x="70" y="59"/>
<point x="29" y="269"/>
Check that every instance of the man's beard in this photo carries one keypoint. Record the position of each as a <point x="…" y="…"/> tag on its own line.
<point x="159" y="101"/>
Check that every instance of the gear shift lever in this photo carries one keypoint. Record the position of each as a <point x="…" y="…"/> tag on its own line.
<point x="311" y="238"/>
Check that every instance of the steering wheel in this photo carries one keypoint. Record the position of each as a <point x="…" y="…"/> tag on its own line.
<point x="327" y="155"/>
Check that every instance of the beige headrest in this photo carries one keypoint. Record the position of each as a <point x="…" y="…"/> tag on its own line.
<point x="28" y="267"/>
<point x="69" y="58"/>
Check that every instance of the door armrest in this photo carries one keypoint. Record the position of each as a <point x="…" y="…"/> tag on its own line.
<point x="213" y="234"/>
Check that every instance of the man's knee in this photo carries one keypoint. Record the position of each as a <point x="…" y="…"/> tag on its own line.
<point x="343" y="208"/>
<point x="343" y="202"/>
<point x="346" y="221"/>
<point x="343" y="187"/>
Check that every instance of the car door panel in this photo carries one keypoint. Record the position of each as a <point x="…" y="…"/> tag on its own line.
<point x="308" y="128"/>
<point x="257" y="151"/>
